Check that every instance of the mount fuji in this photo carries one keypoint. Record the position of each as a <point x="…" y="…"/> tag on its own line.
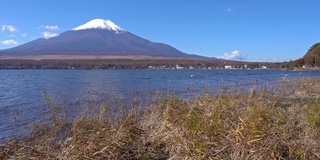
<point x="97" y="37"/>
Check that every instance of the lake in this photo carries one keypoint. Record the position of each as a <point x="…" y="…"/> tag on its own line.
<point x="22" y="99"/>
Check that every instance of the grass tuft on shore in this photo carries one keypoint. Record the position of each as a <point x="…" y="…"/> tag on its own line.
<point x="278" y="122"/>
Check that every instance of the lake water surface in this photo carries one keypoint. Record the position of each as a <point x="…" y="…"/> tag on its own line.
<point x="22" y="91"/>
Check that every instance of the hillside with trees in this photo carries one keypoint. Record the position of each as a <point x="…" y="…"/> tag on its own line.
<point x="312" y="57"/>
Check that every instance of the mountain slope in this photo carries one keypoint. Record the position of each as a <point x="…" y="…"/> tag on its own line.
<point x="97" y="37"/>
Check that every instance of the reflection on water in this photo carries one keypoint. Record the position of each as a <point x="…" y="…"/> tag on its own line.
<point x="22" y="91"/>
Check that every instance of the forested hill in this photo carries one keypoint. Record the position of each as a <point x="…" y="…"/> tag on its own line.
<point x="312" y="57"/>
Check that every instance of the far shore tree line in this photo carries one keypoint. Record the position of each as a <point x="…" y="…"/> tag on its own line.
<point x="133" y="64"/>
<point x="310" y="60"/>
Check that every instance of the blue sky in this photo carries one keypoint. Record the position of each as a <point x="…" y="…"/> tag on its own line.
<point x="273" y="30"/>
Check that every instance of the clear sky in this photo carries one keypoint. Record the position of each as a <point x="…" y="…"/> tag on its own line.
<point x="252" y="30"/>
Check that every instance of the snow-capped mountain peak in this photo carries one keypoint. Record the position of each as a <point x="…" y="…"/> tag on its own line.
<point x="99" y="24"/>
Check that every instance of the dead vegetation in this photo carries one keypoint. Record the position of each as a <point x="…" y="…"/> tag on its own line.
<point x="278" y="122"/>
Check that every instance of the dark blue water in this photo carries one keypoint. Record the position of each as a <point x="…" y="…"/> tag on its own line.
<point x="22" y="91"/>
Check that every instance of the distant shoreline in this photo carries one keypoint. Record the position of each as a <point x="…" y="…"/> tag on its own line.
<point x="126" y="62"/>
<point x="82" y="57"/>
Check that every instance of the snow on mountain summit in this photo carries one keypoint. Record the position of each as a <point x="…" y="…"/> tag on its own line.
<point x="99" y="24"/>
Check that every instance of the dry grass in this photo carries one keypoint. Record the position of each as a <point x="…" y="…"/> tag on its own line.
<point x="279" y="122"/>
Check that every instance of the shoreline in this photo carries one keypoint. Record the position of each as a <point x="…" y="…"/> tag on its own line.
<point x="127" y="62"/>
